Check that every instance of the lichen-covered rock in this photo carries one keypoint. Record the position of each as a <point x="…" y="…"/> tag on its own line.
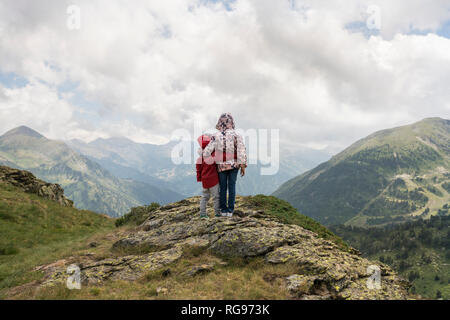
<point x="128" y="268"/>
<point x="29" y="183"/>
<point x="252" y="241"/>
<point x="392" y="288"/>
<point x="300" y="285"/>
<point x="320" y="268"/>
<point x="338" y="271"/>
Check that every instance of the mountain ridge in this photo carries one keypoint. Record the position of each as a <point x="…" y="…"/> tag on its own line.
<point x="148" y="162"/>
<point x="366" y="169"/>
<point x="23" y="130"/>
<point x="85" y="181"/>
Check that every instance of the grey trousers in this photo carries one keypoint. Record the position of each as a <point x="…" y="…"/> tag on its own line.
<point x="206" y="194"/>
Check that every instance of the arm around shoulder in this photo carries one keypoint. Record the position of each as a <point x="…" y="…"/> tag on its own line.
<point x="210" y="148"/>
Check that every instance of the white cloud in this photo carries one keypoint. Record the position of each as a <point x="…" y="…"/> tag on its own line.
<point x="36" y="105"/>
<point x="155" y="66"/>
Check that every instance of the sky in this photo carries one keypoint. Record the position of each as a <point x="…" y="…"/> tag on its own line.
<point x="325" y="73"/>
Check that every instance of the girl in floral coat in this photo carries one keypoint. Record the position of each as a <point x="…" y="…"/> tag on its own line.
<point x="230" y="156"/>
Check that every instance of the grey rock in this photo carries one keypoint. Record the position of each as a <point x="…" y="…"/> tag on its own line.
<point x="29" y="183"/>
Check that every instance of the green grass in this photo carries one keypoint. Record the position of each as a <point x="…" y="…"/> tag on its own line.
<point x="35" y="231"/>
<point x="137" y="215"/>
<point x="286" y="213"/>
<point x="432" y="279"/>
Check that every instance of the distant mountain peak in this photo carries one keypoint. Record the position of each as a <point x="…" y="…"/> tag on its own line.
<point x="433" y="119"/>
<point x="23" y="131"/>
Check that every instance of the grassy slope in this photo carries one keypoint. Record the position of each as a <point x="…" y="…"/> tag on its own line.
<point x="34" y="231"/>
<point x="342" y="188"/>
<point x="405" y="197"/>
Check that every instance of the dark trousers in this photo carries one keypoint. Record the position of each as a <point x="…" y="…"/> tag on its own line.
<point x="227" y="180"/>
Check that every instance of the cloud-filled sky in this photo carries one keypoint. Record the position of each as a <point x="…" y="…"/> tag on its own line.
<point x="325" y="73"/>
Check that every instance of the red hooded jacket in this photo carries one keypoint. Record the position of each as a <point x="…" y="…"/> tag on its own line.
<point x="206" y="167"/>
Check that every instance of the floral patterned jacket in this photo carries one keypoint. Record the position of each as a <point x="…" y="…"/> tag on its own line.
<point x="230" y="151"/>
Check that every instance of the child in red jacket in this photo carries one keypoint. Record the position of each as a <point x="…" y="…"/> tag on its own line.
<point x="208" y="176"/>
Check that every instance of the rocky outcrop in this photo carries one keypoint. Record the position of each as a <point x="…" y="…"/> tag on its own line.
<point x="128" y="268"/>
<point x="320" y="269"/>
<point x="29" y="183"/>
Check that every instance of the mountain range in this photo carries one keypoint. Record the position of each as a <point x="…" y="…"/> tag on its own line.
<point x="86" y="182"/>
<point x="112" y="175"/>
<point x="390" y="176"/>
<point x="397" y="180"/>
<point x="151" y="163"/>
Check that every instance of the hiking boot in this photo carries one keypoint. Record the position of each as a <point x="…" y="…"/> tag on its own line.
<point x="218" y="214"/>
<point x="203" y="216"/>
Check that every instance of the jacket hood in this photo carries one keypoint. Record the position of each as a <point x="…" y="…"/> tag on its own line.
<point x="204" y="140"/>
<point x="225" y="122"/>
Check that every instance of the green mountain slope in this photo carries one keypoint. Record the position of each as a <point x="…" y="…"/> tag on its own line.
<point x="391" y="175"/>
<point x="419" y="251"/>
<point x="35" y="231"/>
<point x="88" y="184"/>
